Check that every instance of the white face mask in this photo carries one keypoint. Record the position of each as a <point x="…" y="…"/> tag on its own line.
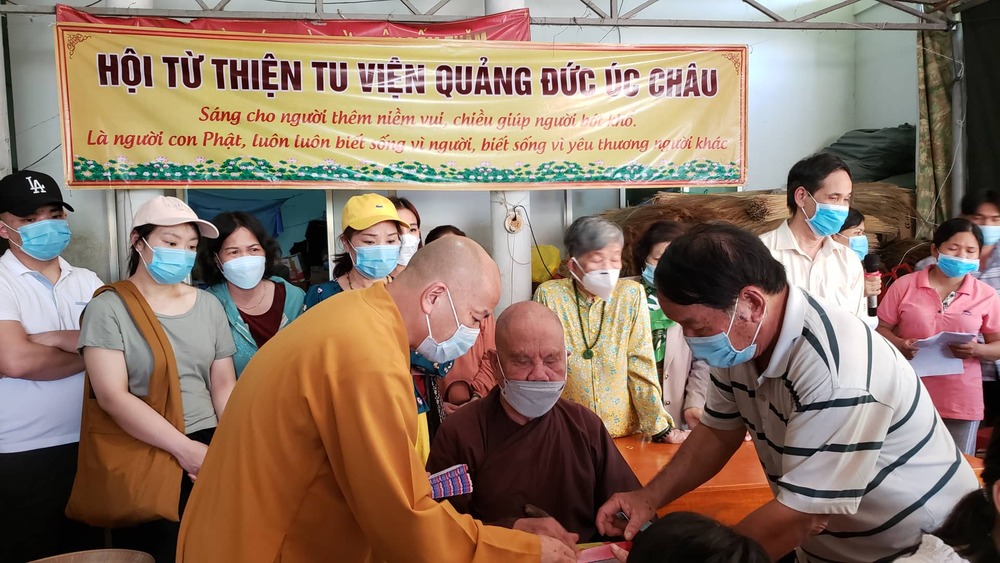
<point x="599" y="282"/>
<point x="408" y="245"/>
<point x="531" y="398"/>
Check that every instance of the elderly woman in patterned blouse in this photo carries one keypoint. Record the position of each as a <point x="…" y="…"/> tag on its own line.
<point x="611" y="368"/>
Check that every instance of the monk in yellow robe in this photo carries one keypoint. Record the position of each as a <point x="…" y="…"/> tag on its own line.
<point x="314" y="459"/>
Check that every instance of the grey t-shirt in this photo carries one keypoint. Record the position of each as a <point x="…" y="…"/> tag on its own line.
<point x="198" y="337"/>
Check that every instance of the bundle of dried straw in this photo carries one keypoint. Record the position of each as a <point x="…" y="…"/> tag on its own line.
<point x="887" y="209"/>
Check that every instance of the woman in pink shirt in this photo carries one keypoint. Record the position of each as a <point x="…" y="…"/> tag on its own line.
<point x="945" y="298"/>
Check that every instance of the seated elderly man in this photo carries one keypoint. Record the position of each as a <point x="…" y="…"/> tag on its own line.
<point x="526" y="446"/>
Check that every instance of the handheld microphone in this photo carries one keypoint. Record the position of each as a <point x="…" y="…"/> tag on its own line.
<point x="872" y="265"/>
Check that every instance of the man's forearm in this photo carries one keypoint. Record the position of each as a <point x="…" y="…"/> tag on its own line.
<point x="66" y="340"/>
<point x="780" y="529"/>
<point x="38" y="362"/>
<point x="703" y="454"/>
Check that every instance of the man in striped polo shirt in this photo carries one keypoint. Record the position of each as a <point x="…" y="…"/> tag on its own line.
<point x="859" y="461"/>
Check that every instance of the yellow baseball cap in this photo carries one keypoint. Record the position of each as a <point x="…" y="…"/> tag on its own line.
<point x="363" y="211"/>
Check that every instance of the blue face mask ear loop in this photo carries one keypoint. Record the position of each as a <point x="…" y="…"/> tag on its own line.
<point x="354" y="258"/>
<point x="428" y="317"/>
<point x="16" y="231"/>
<point x="815" y="211"/>
<point x="733" y="320"/>
<point x="139" y="252"/>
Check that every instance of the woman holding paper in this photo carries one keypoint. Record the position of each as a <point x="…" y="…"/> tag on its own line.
<point x="947" y="298"/>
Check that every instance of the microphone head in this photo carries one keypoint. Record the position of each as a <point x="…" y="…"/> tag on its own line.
<point x="872" y="263"/>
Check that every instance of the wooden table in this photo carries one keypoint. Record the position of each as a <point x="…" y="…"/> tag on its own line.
<point x="736" y="491"/>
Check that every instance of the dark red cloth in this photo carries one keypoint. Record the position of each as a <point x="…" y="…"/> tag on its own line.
<point x="263" y="327"/>
<point x="563" y="462"/>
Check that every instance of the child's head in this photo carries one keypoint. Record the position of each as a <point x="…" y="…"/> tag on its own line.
<point x="686" y="537"/>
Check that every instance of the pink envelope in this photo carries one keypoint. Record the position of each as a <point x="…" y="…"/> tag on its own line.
<point x="602" y="553"/>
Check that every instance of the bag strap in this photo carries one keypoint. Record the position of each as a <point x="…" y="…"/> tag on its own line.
<point x="164" y="380"/>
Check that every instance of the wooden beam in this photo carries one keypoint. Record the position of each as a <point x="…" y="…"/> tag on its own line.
<point x="942" y="6"/>
<point x="912" y="11"/>
<point x="764" y="10"/>
<point x="826" y="10"/>
<point x="730" y="24"/>
<point x="639" y="8"/>
<point x="590" y="4"/>
<point x="437" y="7"/>
<point x="962" y="6"/>
<point x="409" y="6"/>
<point x="50" y="9"/>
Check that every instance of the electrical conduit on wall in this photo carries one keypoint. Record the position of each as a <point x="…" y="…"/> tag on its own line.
<point x="508" y="212"/>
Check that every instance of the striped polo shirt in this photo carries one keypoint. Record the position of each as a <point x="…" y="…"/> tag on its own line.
<point x="843" y="427"/>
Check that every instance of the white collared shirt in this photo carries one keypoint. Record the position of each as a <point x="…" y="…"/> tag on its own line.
<point x="835" y="275"/>
<point x="41" y="414"/>
<point x="843" y="427"/>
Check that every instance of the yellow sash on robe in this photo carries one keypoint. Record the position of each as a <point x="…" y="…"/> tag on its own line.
<point x="423" y="443"/>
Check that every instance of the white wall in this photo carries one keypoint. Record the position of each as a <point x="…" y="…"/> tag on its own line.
<point x="801" y="83"/>
<point x="805" y="89"/>
<point x="886" y="71"/>
<point x="36" y="126"/>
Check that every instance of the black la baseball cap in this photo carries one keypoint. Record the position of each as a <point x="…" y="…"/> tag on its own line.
<point x="23" y="192"/>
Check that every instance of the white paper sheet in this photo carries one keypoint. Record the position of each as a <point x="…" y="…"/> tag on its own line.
<point x="934" y="356"/>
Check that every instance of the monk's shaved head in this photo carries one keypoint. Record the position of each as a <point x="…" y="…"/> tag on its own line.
<point x="454" y="266"/>
<point x="527" y="317"/>
<point x="458" y="262"/>
<point x="530" y="342"/>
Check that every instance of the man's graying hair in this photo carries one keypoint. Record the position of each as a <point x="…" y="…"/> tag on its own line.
<point x="591" y="233"/>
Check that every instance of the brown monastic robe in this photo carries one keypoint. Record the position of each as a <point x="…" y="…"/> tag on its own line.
<point x="563" y="462"/>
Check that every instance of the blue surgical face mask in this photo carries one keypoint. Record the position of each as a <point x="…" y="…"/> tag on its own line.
<point x="991" y="234"/>
<point x="828" y="219"/>
<point x="647" y="274"/>
<point x="376" y="262"/>
<point x="955" y="267"/>
<point x="169" y="265"/>
<point x="859" y="245"/>
<point x="453" y="348"/>
<point x="245" y="272"/>
<point x="43" y="240"/>
<point x="717" y="350"/>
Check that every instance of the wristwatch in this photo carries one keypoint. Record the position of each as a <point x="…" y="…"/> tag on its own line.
<point x="661" y="437"/>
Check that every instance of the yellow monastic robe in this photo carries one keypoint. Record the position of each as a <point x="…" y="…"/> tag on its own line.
<point x="314" y="457"/>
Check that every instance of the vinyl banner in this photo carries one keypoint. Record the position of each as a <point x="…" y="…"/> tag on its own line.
<point x="145" y="107"/>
